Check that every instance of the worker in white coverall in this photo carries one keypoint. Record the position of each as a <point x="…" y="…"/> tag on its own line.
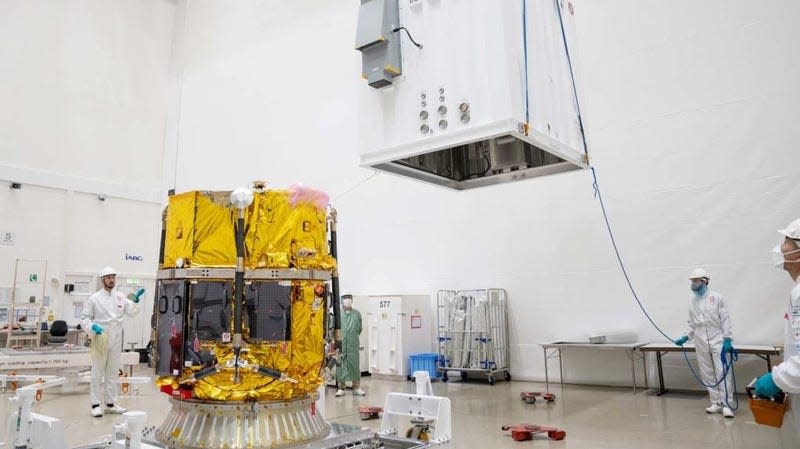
<point x="786" y="376"/>
<point x="710" y="329"/>
<point x="348" y="369"/>
<point x="103" y="314"/>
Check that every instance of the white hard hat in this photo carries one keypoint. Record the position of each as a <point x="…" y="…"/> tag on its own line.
<point x="699" y="273"/>
<point x="107" y="271"/>
<point x="792" y="230"/>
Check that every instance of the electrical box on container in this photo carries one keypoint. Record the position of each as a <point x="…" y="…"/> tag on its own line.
<point x="378" y="42"/>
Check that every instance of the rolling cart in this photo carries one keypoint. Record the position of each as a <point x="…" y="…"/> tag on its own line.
<point x="472" y="333"/>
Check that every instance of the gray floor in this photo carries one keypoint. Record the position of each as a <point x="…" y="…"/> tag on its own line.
<point x="593" y="417"/>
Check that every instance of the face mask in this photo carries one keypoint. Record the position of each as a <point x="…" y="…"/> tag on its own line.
<point x="347" y="303"/>
<point x="779" y="257"/>
<point x="699" y="288"/>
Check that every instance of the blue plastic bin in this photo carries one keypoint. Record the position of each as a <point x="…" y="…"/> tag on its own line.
<point x="424" y="362"/>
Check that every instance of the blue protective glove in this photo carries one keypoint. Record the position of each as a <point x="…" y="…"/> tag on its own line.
<point x="765" y="386"/>
<point x="681" y="341"/>
<point x="136" y="297"/>
<point x="97" y="329"/>
<point x="727" y="348"/>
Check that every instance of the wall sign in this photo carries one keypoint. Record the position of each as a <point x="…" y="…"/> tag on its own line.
<point x="6" y="238"/>
<point x="134" y="257"/>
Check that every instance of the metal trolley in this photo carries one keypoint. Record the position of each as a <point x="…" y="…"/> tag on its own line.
<point x="472" y="333"/>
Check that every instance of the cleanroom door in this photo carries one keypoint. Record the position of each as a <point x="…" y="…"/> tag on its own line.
<point x="389" y="338"/>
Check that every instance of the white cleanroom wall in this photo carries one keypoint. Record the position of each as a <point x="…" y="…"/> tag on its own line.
<point x="83" y="88"/>
<point x="690" y="113"/>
